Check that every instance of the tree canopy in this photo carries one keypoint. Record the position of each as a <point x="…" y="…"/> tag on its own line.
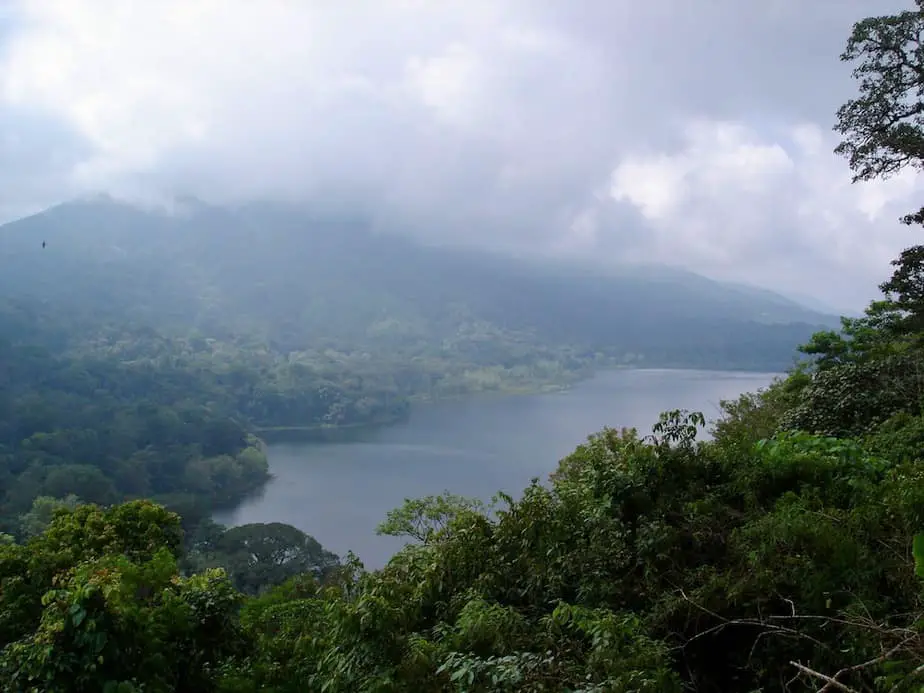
<point x="883" y="126"/>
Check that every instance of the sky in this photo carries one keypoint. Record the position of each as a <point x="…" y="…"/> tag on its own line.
<point x="691" y="133"/>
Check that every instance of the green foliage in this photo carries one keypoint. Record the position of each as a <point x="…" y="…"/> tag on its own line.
<point x="42" y="513"/>
<point x="918" y="552"/>
<point x="117" y="623"/>
<point x="756" y="415"/>
<point x="136" y="531"/>
<point x="851" y="398"/>
<point x="178" y="414"/>
<point x="656" y="563"/>
<point x="259" y="556"/>
<point x="647" y="563"/>
<point x="424" y="519"/>
<point x="904" y="292"/>
<point x="679" y="427"/>
<point x="882" y="127"/>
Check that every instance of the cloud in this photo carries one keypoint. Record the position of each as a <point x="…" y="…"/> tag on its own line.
<point x="720" y="160"/>
<point x="668" y="131"/>
<point x="729" y="200"/>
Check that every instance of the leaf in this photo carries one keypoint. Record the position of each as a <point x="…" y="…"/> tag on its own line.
<point x="917" y="550"/>
<point x="79" y="617"/>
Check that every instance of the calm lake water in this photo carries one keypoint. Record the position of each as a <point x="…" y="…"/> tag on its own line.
<point x="338" y="492"/>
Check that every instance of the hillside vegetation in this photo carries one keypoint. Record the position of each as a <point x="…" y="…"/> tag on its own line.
<point x="776" y="557"/>
<point x="134" y="414"/>
<point x="282" y="277"/>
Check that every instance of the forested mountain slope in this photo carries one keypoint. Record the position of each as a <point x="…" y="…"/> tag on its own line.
<point x="281" y="275"/>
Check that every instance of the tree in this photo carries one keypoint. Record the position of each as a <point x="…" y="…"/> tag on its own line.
<point x="424" y="518"/>
<point x="113" y="624"/>
<point x="43" y="512"/>
<point x="136" y="530"/>
<point x="883" y="127"/>
<point x="258" y="556"/>
<point x="883" y="131"/>
<point x="905" y="292"/>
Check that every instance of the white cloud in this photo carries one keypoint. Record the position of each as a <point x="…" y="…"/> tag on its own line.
<point x="720" y="161"/>
<point x="448" y="83"/>
<point x="656" y="185"/>
<point x="749" y="208"/>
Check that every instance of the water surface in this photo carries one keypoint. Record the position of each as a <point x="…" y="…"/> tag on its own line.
<point x="338" y="492"/>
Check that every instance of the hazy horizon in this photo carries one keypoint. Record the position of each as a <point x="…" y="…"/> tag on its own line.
<point x="183" y="204"/>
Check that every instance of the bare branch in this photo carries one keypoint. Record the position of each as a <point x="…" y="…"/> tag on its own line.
<point x="830" y="681"/>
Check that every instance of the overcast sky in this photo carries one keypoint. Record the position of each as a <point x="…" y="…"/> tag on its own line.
<point x="691" y="132"/>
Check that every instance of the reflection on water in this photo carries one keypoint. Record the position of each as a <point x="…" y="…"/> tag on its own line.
<point x="339" y="490"/>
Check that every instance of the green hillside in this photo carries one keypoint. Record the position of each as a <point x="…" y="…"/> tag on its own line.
<point x="277" y="274"/>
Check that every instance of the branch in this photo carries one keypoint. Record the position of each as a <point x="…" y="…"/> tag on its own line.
<point x="858" y="667"/>
<point x="767" y="627"/>
<point x="830" y="682"/>
<point x="905" y="636"/>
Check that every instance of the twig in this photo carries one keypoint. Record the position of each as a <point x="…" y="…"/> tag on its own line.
<point x="818" y="675"/>
<point x="875" y="660"/>
<point x="767" y="627"/>
<point x="831" y="682"/>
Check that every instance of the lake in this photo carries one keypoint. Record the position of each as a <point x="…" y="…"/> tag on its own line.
<point x="339" y="491"/>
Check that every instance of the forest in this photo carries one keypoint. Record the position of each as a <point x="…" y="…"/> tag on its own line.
<point x="785" y="553"/>
<point x="139" y="415"/>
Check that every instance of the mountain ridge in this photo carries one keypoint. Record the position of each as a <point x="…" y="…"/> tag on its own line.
<point x="294" y="278"/>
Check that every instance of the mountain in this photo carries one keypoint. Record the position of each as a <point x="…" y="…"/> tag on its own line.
<point x="281" y="274"/>
<point x="822" y="307"/>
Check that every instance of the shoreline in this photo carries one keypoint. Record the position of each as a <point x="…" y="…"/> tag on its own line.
<point x="260" y="433"/>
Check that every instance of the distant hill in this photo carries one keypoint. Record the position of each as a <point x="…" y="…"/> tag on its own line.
<point x="823" y="307"/>
<point x="282" y="275"/>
